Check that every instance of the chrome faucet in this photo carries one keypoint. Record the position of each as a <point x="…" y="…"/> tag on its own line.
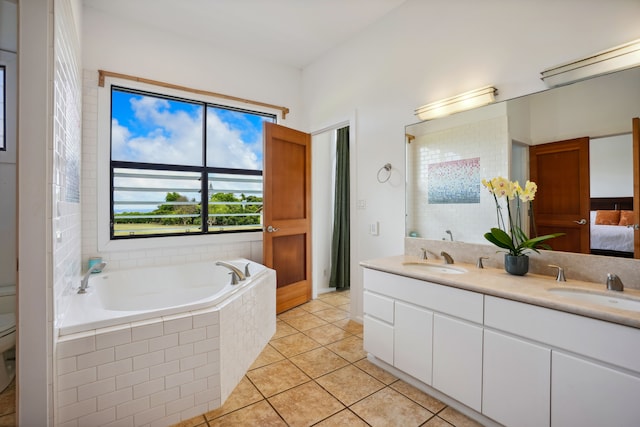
<point x="560" y="276"/>
<point x="614" y="283"/>
<point x="84" y="283"/>
<point x="448" y="259"/>
<point x="450" y="234"/>
<point x="236" y="273"/>
<point x="479" y="263"/>
<point x="423" y="254"/>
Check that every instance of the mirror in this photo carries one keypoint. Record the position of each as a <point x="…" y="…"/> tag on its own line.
<point x="448" y="157"/>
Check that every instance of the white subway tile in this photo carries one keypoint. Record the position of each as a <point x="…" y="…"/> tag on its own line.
<point x="163" y="397"/>
<point x="169" y="420"/>
<point x="96" y="358"/>
<point x="206" y="345"/>
<point x="111" y="400"/>
<point x="66" y="365"/>
<point x="148" y="359"/>
<point x="194" y="387"/>
<point x="96" y="388"/>
<point x="74" y="347"/>
<point x="115" y="368"/>
<point x="180" y="378"/>
<point x="132" y="349"/>
<point x="179" y="352"/>
<point x="192" y="362"/>
<point x="148" y="388"/>
<point x="206" y="371"/>
<point x="207" y="396"/>
<point x="194" y="411"/>
<point x="124" y="422"/>
<point x="72" y="423"/>
<point x="146" y="329"/>
<point x="192" y="335"/>
<point x="177" y="323"/>
<point x="132" y="378"/>
<point x="146" y="417"/>
<point x="67" y="397"/>
<point x="98" y="418"/>
<point x="114" y="338"/>
<point x="132" y="407"/>
<point x="167" y="368"/>
<point x="180" y="404"/>
<point x="213" y="331"/>
<point x="163" y="342"/>
<point x="76" y="410"/>
<point x="76" y="378"/>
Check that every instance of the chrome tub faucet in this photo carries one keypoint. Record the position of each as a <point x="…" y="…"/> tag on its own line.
<point x="84" y="283"/>
<point x="448" y="259"/>
<point x="236" y="274"/>
<point x="614" y="283"/>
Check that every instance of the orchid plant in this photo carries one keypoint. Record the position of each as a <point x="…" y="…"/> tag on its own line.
<point x="513" y="239"/>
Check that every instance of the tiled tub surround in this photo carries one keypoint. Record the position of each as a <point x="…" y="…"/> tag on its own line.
<point x="487" y="341"/>
<point x="159" y="371"/>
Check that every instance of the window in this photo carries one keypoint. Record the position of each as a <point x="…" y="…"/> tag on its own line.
<point x="3" y="114"/>
<point x="181" y="166"/>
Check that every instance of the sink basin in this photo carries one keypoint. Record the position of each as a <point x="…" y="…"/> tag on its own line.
<point x="436" y="268"/>
<point x="608" y="299"/>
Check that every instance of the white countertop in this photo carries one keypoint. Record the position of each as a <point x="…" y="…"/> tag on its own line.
<point x="530" y="289"/>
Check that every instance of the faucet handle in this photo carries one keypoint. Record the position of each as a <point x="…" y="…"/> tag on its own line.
<point x="560" y="276"/>
<point x="423" y="254"/>
<point x="479" y="263"/>
<point x="234" y="277"/>
<point x="614" y="283"/>
<point x="246" y="271"/>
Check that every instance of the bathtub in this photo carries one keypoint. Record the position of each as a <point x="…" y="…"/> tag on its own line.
<point x="156" y="346"/>
<point x="124" y="296"/>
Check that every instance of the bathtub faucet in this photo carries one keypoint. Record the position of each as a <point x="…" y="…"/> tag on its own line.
<point x="84" y="283"/>
<point x="236" y="273"/>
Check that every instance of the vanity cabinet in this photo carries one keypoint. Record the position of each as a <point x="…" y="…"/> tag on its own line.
<point x="515" y="363"/>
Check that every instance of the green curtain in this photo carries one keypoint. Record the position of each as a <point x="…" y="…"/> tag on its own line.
<point x="340" y="244"/>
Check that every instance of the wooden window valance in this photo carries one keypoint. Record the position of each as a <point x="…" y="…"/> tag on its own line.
<point x="103" y="74"/>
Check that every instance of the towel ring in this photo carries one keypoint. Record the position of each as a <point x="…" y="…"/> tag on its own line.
<point x="383" y="179"/>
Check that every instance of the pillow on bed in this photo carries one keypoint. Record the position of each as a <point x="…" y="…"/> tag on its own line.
<point x="626" y="218"/>
<point x="607" y="217"/>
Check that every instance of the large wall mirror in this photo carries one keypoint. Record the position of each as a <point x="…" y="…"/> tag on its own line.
<point x="448" y="157"/>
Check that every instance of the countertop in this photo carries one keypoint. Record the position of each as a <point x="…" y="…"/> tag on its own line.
<point x="530" y="289"/>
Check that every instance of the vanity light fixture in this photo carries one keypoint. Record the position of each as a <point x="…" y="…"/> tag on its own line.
<point x="455" y="104"/>
<point x="615" y="59"/>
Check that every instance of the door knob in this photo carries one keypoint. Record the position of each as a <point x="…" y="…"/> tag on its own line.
<point x="271" y="229"/>
<point x="581" y="222"/>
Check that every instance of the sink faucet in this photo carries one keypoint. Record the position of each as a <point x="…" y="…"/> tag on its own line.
<point x="450" y="234"/>
<point x="614" y="283"/>
<point x="84" y="283"/>
<point x="560" y="276"/>
<point x="423" y="254"/>
<point x="236" y="273"/>
<point x="447" y="258"/>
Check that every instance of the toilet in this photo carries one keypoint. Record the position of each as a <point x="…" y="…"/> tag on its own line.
<point x="7" y="335"/>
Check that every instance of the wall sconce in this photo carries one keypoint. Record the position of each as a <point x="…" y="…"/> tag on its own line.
<point x="455" y="104"/>
<point x="610" y="60"/>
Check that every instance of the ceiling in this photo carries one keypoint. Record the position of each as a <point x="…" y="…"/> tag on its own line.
<point x="288" y="32"/>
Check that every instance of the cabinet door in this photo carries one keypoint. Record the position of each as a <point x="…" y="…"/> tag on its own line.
<point x="413" y="333"/>
<point x="516" y="381"/>
<point x="378" y="339"/>
<point x="588" y="394"/>
<point x="457" y="360"/>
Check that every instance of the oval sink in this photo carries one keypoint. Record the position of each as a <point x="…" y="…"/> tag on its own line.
<point x="436" y="268"/>
<point x="607" y="299"/>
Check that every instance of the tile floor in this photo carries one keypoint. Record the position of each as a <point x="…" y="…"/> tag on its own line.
<point x="314" y="372"/>
<point x="8" y="406"/>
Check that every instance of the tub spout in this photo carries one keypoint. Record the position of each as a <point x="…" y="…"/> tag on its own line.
<point x="237" y="274"/>
<point x="84" y="283"/>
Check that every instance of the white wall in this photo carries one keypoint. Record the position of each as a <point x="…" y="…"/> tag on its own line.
<point x="611" y="166"/>
<point x="424" y="51"/>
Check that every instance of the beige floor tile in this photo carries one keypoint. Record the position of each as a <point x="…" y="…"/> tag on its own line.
<point x="376" y="372"/>
<point x="436" y="422"/>
<point x="342" y="419"/>
<point x="349" y="348"/>
<point x="349" y="384"/>
<point x="336" y="299"/>
<point x="305" y="405"/>
<point x="243" y="395"/>
<point x="350" y="326"/>
<point x="294" y="344"/>
<point x="345" y="307"/>
<point x="390" y="408"/>
<point x="268" y="356"/>
<point x="305" y="322"/>
<point x="283" y="329"/>
<point x="318" y="362"/>
<point x="332" y="314"/>
<point x="259" y="414"/>
<point x="277" y="377"/>
<point x="457" y="419"/>
<point x="290" y="314"/>
<point x="327" y="334"/>
<point x="315" y="305"/>
<point x="418" y="396"/>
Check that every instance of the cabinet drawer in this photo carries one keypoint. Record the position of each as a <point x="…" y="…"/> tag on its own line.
<point x="378" y="306"/>
<point x="608" y="342"/>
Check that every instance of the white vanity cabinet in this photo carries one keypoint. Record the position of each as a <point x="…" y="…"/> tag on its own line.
<point x="413" y="336"/>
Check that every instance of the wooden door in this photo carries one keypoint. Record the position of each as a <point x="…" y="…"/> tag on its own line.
<point x="562" y="203"/>
<point x="636" y="186"/>
<point x="287" y="213"/>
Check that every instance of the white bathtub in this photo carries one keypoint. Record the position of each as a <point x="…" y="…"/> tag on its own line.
<point x="156" y="346"/>
<point x="124" y="296"/>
